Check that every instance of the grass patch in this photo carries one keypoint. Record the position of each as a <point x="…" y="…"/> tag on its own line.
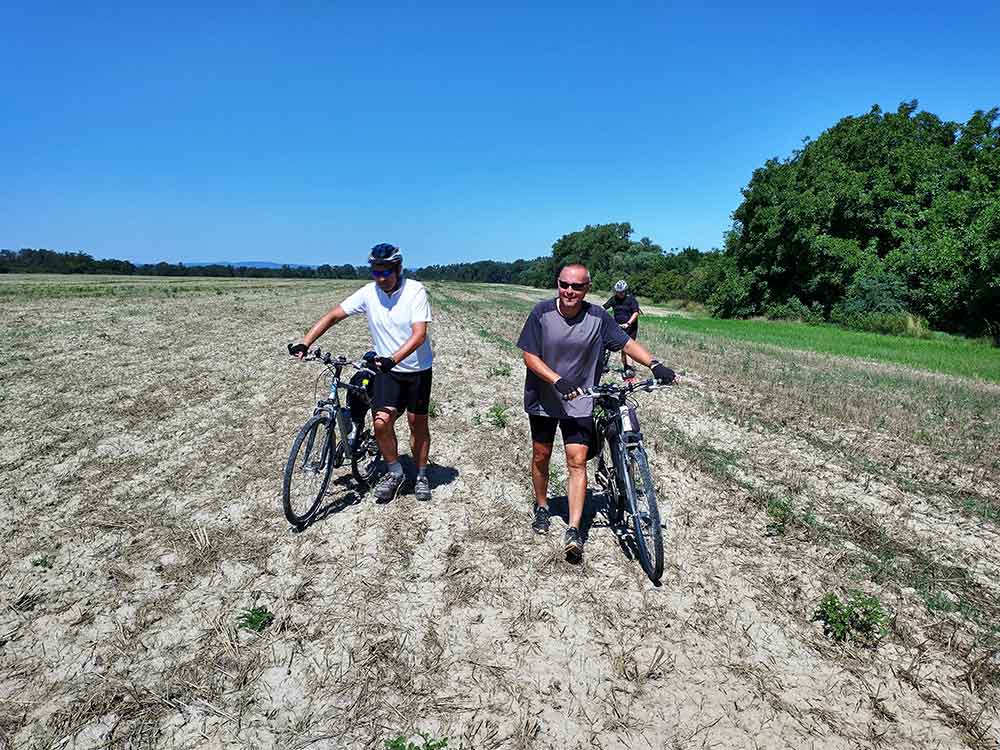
<point x="425" y="743"/>
<point x="501" y="370"/>
<point x="950" y="355"/>
<point x="860" y="619"/>
<point x="255" y="619"/>
<point x="433" y="409"/>
<point x="981" y="507"/>
<point x="45" y="562"/>
<point x="783" y="515"/>
<point x="498" y="416"/>
<point x="495" y="338"/>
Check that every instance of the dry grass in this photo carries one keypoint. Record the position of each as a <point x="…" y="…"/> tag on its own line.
<point x="143" y="516"/>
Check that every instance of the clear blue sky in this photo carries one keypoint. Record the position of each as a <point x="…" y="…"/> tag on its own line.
<point x="307" y="131"/>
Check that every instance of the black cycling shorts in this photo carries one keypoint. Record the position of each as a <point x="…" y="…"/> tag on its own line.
<point x="403" y="390"/>
<point x="633" y="330"/>
<point x="575" y="430"/>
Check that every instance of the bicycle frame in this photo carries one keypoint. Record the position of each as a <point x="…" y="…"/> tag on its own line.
<point x="339" y="414"/>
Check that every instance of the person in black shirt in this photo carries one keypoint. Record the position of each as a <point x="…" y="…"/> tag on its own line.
<point x="625" y="310"/>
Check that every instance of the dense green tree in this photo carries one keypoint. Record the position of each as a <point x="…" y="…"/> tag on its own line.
<point x="901" y="195"/>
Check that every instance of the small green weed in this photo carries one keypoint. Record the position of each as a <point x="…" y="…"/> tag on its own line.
<point x="403" y="743"/>
<point x="860" y="618"/>
<point x="982" y="507"/>
<point x="497" y="415"/>
<point x="782" y="515"/>
<point x="255" y="619"/>
<point x="45" y="562"/>
<point x="941" y="602"/>
<point x="501" y="370"/>
<point x="433" y="409"/>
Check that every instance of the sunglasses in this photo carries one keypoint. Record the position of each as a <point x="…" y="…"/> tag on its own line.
<point x="383" y="274"/>
<point x="577" y="287"/>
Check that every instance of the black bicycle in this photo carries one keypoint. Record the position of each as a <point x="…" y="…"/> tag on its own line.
<point x="623" y="471"/>
<point x="316" y="451"/>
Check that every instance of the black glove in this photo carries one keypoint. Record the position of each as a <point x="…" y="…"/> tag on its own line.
<point x="565" y="388"/>
<point x="663" y="374"/>
<point x="385" y="363"/>
<point x="295" y="350"/>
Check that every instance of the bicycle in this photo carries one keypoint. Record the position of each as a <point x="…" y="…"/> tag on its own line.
<point x="627" y="482"/>
<point x="316" y="451"/>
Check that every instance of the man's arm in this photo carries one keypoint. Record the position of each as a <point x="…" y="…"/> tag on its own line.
<point x="534" y="363"/>
<point x="635" y="312"/>
<point x="322" y="325"/>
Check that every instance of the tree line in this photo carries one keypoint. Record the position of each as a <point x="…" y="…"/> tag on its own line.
<point x="887" y="222"/>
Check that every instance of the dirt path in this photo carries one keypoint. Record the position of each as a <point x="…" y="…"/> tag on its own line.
<point x="144" y="515"/>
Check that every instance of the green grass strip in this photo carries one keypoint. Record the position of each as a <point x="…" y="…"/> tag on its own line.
<point x="951" y="355"/>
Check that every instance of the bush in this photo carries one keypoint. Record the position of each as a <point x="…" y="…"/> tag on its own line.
<point x="893" y="324"/>
<point x="881" y="294"/>
<point x="795" y="309"/>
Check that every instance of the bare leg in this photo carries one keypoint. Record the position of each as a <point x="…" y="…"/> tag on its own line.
<point x="540" y="455"/>
<point x="420" y="438"/>
<point x="385" y="434"/>
<point x="576" y="463"/>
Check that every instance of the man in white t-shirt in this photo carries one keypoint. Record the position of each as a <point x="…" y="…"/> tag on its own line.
<point x="398" y="313"/>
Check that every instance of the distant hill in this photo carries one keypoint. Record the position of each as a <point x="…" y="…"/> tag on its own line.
<point x="246" y="264"/>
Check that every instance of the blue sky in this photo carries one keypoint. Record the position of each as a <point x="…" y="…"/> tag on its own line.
<point x="305" y="132"/>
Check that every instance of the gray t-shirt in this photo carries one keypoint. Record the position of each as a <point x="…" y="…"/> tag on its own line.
<point x="570" y="346"/>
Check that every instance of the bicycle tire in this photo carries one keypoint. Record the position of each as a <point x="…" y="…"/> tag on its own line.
<point x="612" y="491"/>
<point x="307" y="475"/>
<point x="641" y="498"/>
<point x="366" y="457"/>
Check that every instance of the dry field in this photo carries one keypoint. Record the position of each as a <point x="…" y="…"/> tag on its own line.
<point x="145" y="423"/>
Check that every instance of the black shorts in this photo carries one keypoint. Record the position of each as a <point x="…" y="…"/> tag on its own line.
<point x="632" y="331"/>
<point x="575" y="430"/>
<point x="403" y="390"/>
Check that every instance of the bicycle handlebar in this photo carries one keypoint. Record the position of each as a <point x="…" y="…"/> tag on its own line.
<point x="326" y="358"/>
<point x="612" y="389"/>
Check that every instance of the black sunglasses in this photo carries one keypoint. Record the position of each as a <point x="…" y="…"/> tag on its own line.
<point x="577" y="287"/>
<point x="384" y="274"/>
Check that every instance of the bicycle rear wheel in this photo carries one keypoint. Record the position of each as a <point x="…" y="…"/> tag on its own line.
<point x="641" y="498"/>
<point x="307" y="472"/>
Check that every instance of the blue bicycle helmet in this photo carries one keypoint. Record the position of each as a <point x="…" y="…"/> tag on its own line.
<point x="385" y="253"/>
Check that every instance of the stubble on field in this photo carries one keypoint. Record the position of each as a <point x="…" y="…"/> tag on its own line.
<point x="144" y="438"/>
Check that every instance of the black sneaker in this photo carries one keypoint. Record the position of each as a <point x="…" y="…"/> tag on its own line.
<point x="388" y="486"/>
<point x="574" y="544"/>
<point x="541" y="522"/>
<point x="628" y="373"/>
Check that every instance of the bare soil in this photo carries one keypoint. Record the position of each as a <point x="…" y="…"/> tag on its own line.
<point x="144" y="435"/>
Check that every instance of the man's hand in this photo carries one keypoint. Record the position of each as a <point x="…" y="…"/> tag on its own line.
<point x="623" y="326"/>
<point x="385" y="364"/>
<point x="298" y="350"/>
<point x="567" y="389"/>
<point x="663" y="374"/>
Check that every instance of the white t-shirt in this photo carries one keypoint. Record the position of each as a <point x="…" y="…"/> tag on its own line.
<point x="391" y="319"/>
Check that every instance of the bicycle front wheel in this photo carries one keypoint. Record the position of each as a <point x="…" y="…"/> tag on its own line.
<point x="307" y="472"/>
<point x="641" y="498"/>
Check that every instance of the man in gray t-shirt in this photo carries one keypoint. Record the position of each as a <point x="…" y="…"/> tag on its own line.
<point x="563" y="340"/>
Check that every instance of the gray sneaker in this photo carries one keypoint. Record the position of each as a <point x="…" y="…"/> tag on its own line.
<point x="388" y="487"/>
<point x="422" y="488"/>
